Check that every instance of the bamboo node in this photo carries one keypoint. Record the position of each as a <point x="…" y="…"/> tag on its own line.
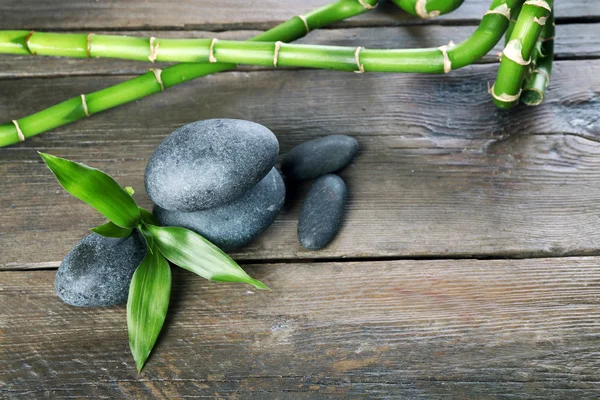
<point x="276" y="53"/>
<point x="447" y="62"/>
<point x="543" y="39"/>
<point x="303" y="18"/>
<point x="19" y="131"/>
<point x="502" y="9"/>
<point x="153" y="49"/>
<point x="29" y="35"/>
<point x="88" y="47"/>
<point x="538" y="3"/>
<point x="421" y="10"/>
<point x="540" y="21"/>
<point x="85" y="107"/>
<point x="513" y="51"/>
<point x="211" y="55"/>
<point x="157" y="74"/>
<point x="366" y="6"/>
<point x="504" y="97"/>
<point x="361" y="67"/>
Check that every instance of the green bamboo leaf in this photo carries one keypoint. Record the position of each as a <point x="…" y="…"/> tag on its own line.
<point x="147" y="305"/>
<point x="191" y="251"/>
<point x="111" y="230"/>
<point x="97" y="189"/>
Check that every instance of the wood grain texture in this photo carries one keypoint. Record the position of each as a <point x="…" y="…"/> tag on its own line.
<point x="222" y="15"/>
<point x="573" y="41"/>
<point x="441" y="171"/>
<point x="401" y="329"/>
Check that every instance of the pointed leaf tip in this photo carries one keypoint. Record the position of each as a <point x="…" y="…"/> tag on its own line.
<point x="95" y="188"/>
<point x="147" y="305"/>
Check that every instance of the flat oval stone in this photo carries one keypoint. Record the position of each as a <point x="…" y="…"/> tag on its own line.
<point x="209" y="163"/>
<point x="98" y="270"/>
<point x="322" y="211"/>
<point x="237" y="223"/>
<point x="319" y="157"/>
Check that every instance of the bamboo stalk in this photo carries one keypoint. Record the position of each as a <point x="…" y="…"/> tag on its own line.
<point x="537" y="80"/>
<point x="514" y="14"/>
<point x="516" y="56"/>
<point x="358" y="59"/>
<point x="428" y="8"/>
<point x="155" y="80"/>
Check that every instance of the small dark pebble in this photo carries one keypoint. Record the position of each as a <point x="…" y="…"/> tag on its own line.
<point x="98" y="271"/>
<point x="319" y="157"/>
<point x="322" y="211"/>
<point x="237" y="223"/>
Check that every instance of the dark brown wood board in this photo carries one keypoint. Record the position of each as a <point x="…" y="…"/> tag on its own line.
<point x="221" y="15"/>
<point x="437" y="158"/>
<point x="390" y="329"/>
<point x="435" y="287"/>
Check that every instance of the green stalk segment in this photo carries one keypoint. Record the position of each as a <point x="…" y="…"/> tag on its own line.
<point x="432" y="60"/>
<point x="20" y="42"/>
<point x="537" y="80"/>
<point x="428" y="8"/>
<point x="514" y="14"/>
<point x="517" y="54"/>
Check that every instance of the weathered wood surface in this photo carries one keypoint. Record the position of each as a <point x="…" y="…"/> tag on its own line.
<point x="391" y="329"/>
<point x="573" y="41"/>
<point x="441" y="173"/>
<point x="437" y="158"/>
<point x="221" y="15"/>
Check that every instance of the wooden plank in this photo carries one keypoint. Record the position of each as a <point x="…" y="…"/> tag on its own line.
<point x="437" y="159"/>
<point x="219" y="15"/>
<point x="573" y="41"/>
<point x="398" y="329"/>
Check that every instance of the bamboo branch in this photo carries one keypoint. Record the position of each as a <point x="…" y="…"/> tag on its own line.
<point x="516" y="56"/>
<point x="358" y="59"/>
<point x="428" y="8"/>
<point x="154" y="81"/>
<point x="538" y="78"/>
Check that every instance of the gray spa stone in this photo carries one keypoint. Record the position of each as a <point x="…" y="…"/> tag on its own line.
<point x="237" y="223"/>
<point x="319" y="157"/>
<point x="98" y="270"/>
<point x="209" y="163"/>
<point x="322" y="211"/>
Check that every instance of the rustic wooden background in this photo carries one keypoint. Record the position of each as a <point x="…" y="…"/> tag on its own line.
<point x="468" y="265"/>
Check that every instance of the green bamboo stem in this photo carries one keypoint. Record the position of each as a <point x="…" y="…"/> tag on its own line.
<point x="514" y="14"/>
<point x="155" y="80"/>
<point x="428" y="8"/>
<point x="358" y="59"/>
<point x="537" y="80"/>
<point x="516" y="56"/>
